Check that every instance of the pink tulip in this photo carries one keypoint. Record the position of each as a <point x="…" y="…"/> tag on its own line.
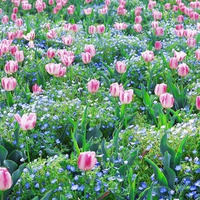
<point x="29" y="36"/>
<point x="120" y="67"/>
<point x="13" y="16"/>
<point x="155" y="24"/>
<point x="173" y="63"/>
<point x="27" y="121"/>
<point x="93" y="86"/>
<point x="100" y="28"/>
<point x="183" y="69"/>
<point x="74" y="28"/>
<point x="86" y="160"/>
<point x="51" y="2"/>
<point x="160" y="89"/>
<point x="5" y="19"/>
<point x="198" y="102"/>
<point x="179" y="33"/>
<point x="167" y="100"/>
<point x="121" y="10"/>
<point x="180" y="56"/>
<point x="50" y="53"/>
<point x="11" y="67"/>
<point x="71" y="9"/>
<point x="67" y="60"/>
<point x="159" y="31"/>
<point x="115" y="89"/>
<point x="198" y="26"/>
<point x="107" y="2"/>
<point x="5" y="179"/>
<point x="13" y="49"/>
<point x="86" y="57"/>
<point x="88" y="11"/>
<point x="158" y="45"/>
<point x="120" y="26"/>
<point x="19" y="22"/>
<point x="15" y="10"/>
<point x="138" y="11"/>
<point x="36" y="89"/>
<point x="68" y="40"/>
<point x="191" y="42"/>
<point x="179" y="27"/>
<point x="180" y="18"/>
<point x="137" y="28"/>
<point x="104" y="10"/>
<point x="175" y="8"/>
<point x="190" y="33"/>
<point x="157" y="15"/>
<point x="11" y="35"/>
<point x="92" y="29"/>
<point x="126" y="96"/>
<point x="151" y="5"/>
<point x="90" y="48"/>
<point x="19" y="34"/>
<point x="16" y="3"/>
<point x="138" y="19"/>
<point x="148" y="56"/>
<point x="197" y="54"/>
<point x="51" y="34"/>
<point x="55" y="69"/>
<point x="9" y="84"/>
<point x="19" y="56"/>
<point x="167" y="6"/>
<point x="68" y="26"/>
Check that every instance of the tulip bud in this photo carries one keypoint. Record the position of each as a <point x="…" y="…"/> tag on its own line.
<point x="183" y="69"/>
<point x="86" y="160"/>
<point x="19" y="56"/>
<point x="126" y="96"/>
<point x="120" y="67"/>
<point x="9" y="84"/>
<point x="93" y="86"/>
<point x="5" y="179"/>
<point x="167" y="100"/>
<point x="198" y="102"/>
<point x="86" y="57"/>
<point x="160" y="89"/>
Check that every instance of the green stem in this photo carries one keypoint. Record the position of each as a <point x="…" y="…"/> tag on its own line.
<point x="2" y="195"/>
<point x="27" y="149"/>
<point x="9" y="98"/>
<point x="123" y="107"/>
<point x="85" y="186"/>
<point x="93" y="98"/>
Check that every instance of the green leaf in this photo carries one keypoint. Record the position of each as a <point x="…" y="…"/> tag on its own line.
<point x="50" y="152"/>
<point x="166" y="159"/>
<point x="16" y="156"/>
<point x="116" y="140"/>
<point x="10" y="165"/>
<point x="132" y="185"/>
<point x="146" y="98"/>
<point x="180" y="152"/>
<point x="138" y="93"/>
<point x="16" y="132"/>
<point x="122" y="170"/>
<point x="159" y="175"/>
<point x="36" y="198"/>
<point x="94" y="133"/>
<point x="170" y="175"/>
<point x="105" y="154"/>
<point x="132" y="157"/>
<point x="62" y="197"/>
<point x="3" y="153"/>
<point x="111" y="71"/>
<point x="149" y="194"/>
<point x="107" y="80"/>
<point x="47" y="195"/>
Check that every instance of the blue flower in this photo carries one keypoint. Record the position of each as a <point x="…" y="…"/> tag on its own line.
<point x="27" y="185"/>
<point x="74" y="187"/>
<point x="178" y="167"/>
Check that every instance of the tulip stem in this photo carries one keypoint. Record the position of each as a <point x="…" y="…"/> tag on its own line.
<point x="93" y="99"/>
<point x="123" y="107"/>
<point x="1" y="195"/>
<point x="9" y="98"/>
<point x="85" y="186"/>
<point x="27" y="149"/>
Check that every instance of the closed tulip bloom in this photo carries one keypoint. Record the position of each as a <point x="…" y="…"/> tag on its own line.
<point x="27" y="121"/>
<point x="5" y="179"/>
<point x="51" y="34"/>
<point x="19" y="34"/>
<point x="198" y="102"/>
<point x="167" y="100"/>
<point x="138" y="11"/>
<point x="159" y="31"/>
<point x="90" y="48"/>
<point x="55" y="69"/>
<point x="126" y="96"/>
<point x="11" y="35"/>
<point x="137" y="28"/>
<point x="50" y="53"/>
<point x="198" y="26"/>
<point x="5" y="19"/>
<point x="19" y="56"/>
<point x="180" y="56"/>
<point x="148" y="56"/>
<point x="107" y="2"/>
<point x="15" y="10"/>
<point x="71" y="9"/>
<point x="173" y="63"/>
<point x="160" y="89"/>
<point x="86" y="57"/>
<point x="197" y="54"/>
<point x="92" y="29"/>
<point x="68" y="40"/>
<point x="180" y="18"/>
<point x="115" y="89"/>
<point x="155" y="24"/>
<point x="36" y="89"/>
<point x="13" y="16"/>
<point x="100" y="28"/>
<point x="188" y="33"/>
<point x="191" y="42"/>
<point x="13" y="49"/>
<point x="67" y="27"/>
<point x="157" y="15"/>
<point x="74" y="28"/>
<point x="11" y="67"/>
<point x="93" y="86"/>
<point x="104" y="10"/>
<point x="120" y="26"/>
<point x="179" y="26"/>
<point x="158" y="45"/>
<point x="9" y="84"/>
<point x="179" y="33"/>
<point x="121" y="10"/>
<point x="183" y="70"/>
<point x="175" y="8"/>
<point x="88" y="11"/>
<point x="120" y="67"/>
<point x="67" y="60"/>
<point x="19" y="22"/>
<point x="167" y="6"/>
<point x="87" y="160"/>
<point x="138" y="19"/>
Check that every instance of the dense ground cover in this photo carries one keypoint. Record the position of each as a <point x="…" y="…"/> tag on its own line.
<point x="118" y="78"/>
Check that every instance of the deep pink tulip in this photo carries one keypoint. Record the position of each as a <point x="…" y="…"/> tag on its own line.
<point x="183" y="69"/>
<point x="120" y="67"/>
<point x="173" y="63"/>
<point x="167" y="100"/>
<point x="121" y="10"/>
<point x="159" y="31"/>
<point x="86" y="160"/>
<point x="137" y="28"/>
<point x="100" y="28"/>
<point x="115" y="89"/>
<point x="91" y="49"/>
<point x="180" y="18"/>
<point x="19" y="22"/>
<point x="5" y="19"/>
<point x="126" y="96"/>
<point x="11" y="35"/>
<point x="74" y="28"/>
<point x="180" y="56"/>
<point x="93" y="86"/>
<point x="11" y="67"/>
<point x="148" y="56"/>
<point x="160" y="89"/>
<point x="15" y="10"/>
<point x="198" y="26"/>
<point x="86" y="57"/>
<point x="179" y="27"/>
<point x="92" y="29"/>
<point x="19" y="56"/>
<point x="71" y="9"/>
<point x="13" y="16"/>
<point x="138" y="19"/>
<point x="36" y="89"/>
<point x="55" y="69"/>
<point x="50" y="53"/>
<point x="197" y="54"/>
<point x="13" y="49"/>
<point x="51" y="2"/>
<point x="68" y="40"/>
<point x="198" y="102"/>
<point x="9" y="84"/>
<point x="5" y="179"/>
<point x="158" y="45"/>
<point x="27" y="121"/>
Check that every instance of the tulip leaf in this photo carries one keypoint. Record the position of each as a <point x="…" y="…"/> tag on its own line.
<point x="166" y="159"/>
<point x="160" y="176"/>
<point x="36" y="198"/>
<point x="149" y="194"/>
<point x="105" y="154"/>
<point x="132" y="157"/>
<point x="10" y="165"/>
<point x="132" y="185"/>
<point x="3" y="153"/>
<point x="170" y="175"/>
<point x="15" y="156"/>
<point x="47" y="195"/>
<point x="180" y="151"/>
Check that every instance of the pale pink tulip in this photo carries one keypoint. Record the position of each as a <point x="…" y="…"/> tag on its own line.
<point x="50" y="53"/>
<point x="197" y="54"/>
<point x="91" y="49"/>
<point x="148" y="56"/>
<point x="11" y="67"/>
<point x="86" y="57"/>
<point x="158" y="45"/>
<point x="5" y="179"/>
<point x="126" y="96"/>
<point x="120" y="67"/>
<point x="180" y="56"/>
<point x="167" y="100"/>
<point x="19" y="56"/>
<point x="173" y="63"/>
<point x="183" y="69"/>
<point x="160" y="89"/>
<point x="115" y="89"/>
<point x="100" y="28"/>
<point x="68" y="40"/>
<point x="36" y="89"/>
<point x="92" y="29"/>
<point x="55" y="69"/>
<point x="137" y="28"/>
<point x="9" y="84"/>
<point x="93" y="86"/>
